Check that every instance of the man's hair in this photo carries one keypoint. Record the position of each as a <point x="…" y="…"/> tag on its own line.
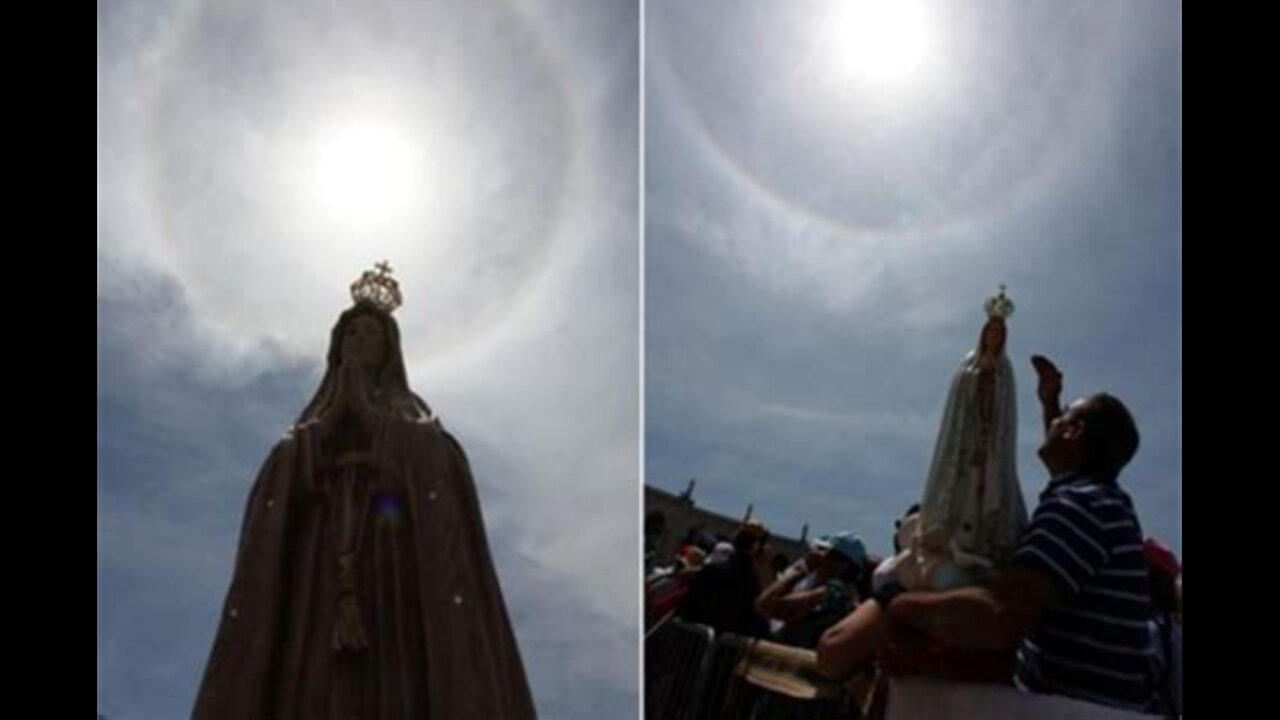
<point x="746" y="539"/>
<point x="1110" y="435"/>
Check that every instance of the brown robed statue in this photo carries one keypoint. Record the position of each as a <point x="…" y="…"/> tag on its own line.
<point x="363" y="583"/>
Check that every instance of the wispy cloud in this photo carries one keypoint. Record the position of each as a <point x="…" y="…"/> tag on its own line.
<point x="871" y="424"/>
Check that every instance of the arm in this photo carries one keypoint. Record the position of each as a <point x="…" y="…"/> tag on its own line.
<point x="1050" y="412"/>
<point x="980" y="618"/>
<point x="1048" y="388"/>
<point x="850" y="643"/>
<point x="779" y="602"/>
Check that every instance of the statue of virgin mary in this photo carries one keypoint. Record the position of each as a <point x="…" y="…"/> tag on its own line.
<point x="363" y="584"/>
<point x="972" y="511"/>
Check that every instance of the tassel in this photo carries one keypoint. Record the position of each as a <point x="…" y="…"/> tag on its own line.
<point x="348" y="629"/>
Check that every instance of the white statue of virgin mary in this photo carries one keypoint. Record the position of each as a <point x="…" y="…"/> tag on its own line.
<point x="972" y="511"/>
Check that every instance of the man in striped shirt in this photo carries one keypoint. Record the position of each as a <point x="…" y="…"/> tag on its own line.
<point x="1075" y="602"/>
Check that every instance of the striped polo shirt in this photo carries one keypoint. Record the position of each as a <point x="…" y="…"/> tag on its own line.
<point x="1095" y="643"/>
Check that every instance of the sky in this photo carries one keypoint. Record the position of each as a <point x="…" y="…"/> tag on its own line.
<point x="253" y="159"/>
<point x="830" y="197"/>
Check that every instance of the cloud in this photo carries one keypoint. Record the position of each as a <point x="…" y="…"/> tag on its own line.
<point x="890" y="424"/>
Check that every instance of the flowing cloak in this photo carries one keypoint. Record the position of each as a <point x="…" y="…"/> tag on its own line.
<point x="440" y="643"/>
<point x="975" y="512"/>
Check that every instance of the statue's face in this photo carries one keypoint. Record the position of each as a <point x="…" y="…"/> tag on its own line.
<point x="993" y="337"/>
<point x="364" y="342"/>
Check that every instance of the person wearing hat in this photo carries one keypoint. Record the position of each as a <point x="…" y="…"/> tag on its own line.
<point x="830" y="572"/>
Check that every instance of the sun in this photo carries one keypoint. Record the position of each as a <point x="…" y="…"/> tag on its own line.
<point x="882" y="42"/>
<point x="366" y="173"/>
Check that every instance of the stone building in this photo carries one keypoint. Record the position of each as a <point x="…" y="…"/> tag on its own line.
<point x="669" y="518"/>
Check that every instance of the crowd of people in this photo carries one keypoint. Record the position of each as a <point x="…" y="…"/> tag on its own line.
<point x="1078" y="603"/>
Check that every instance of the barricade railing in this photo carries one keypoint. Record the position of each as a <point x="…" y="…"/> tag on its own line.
<point x="674" y="659"/>
<point x="691" y="674"/>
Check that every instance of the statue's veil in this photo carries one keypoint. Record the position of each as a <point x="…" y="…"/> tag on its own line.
<point x="942" y="508"/>
<point x="391" y="391"/>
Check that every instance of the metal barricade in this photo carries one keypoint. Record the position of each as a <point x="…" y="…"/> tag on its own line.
<point x="690" y="674"/>
<point x="721" y="696"/>
<point x="674" y="662"/>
